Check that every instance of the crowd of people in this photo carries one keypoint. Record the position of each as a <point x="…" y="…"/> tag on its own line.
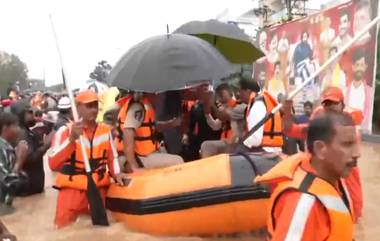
<point x="144" y="130"/>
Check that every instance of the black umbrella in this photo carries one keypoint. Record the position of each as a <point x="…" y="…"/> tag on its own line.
<point x="169" y="62"/>
<point x="229" y="39"/>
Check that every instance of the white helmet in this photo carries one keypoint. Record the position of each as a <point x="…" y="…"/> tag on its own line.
<point x="64" y="103"/>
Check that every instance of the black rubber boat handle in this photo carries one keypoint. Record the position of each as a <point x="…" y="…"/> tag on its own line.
<point x="251" y="162"/>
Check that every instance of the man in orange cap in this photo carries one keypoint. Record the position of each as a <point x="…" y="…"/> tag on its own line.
<point x="66" y="157"/>
<point x="332" y="101"/>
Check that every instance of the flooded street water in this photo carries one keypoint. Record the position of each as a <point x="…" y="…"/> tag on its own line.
<point x="33" y="220"/>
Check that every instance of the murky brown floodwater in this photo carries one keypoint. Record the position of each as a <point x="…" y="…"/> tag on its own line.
<point x="33" y="220"/>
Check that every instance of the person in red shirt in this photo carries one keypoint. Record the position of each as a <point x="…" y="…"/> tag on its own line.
<point x="332" y="101"/>
<point x="310" y="201"/>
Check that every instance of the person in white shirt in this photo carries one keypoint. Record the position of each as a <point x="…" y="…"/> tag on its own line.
<point x="358" y="94"/>
<point x="256" y="111"/>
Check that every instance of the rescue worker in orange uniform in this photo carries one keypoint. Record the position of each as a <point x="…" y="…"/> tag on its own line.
<point x="310" y="201"/>
<point x="137" y="119"/>
<point x="267" y="137"/>
<point x="332" y="101"/>
<point x="65" y="157"/>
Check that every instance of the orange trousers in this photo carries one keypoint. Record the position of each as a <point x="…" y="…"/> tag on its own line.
<point x="354" y="186"/>
<point x="70" y="204"/>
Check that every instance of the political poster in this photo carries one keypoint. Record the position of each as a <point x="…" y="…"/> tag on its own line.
<point x="294" y="50"/>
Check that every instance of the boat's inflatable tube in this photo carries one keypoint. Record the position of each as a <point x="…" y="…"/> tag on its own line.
<point x="215" y="195"/>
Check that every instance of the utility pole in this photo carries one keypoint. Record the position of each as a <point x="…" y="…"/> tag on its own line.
<point x="295" y="7"/>
<point x="288" y="4"/>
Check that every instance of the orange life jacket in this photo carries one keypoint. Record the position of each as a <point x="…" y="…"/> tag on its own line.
<point x="145" y="140"/>
<point x="187" y="105"/>
<point x="227" y="132"/>
<point x="356" y="115"/>
<point x="73" y="174"/>
<point x="272" y="136"/>
<point x="120" y="123"/>
<point x="289" y="175"/>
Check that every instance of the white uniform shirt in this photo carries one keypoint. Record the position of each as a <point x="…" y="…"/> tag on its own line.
<point x="357" y="97"/>
<point x="256" y="114"/>
<point x="135" y="116"/>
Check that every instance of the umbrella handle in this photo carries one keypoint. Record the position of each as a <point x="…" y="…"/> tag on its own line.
<point x="315" y="74"/>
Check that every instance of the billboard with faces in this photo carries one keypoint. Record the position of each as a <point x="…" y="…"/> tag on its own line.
<point x="294" y="50"/>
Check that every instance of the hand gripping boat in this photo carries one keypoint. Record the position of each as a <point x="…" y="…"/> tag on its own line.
<point x="214" y="195"/>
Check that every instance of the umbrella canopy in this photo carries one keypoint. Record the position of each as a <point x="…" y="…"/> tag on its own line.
<point x="169" y="62"/>
<point x="229" y="39"/>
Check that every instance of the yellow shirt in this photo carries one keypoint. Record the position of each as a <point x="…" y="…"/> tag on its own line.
<point x="106" y="101"/>
<point x="276" y="87"/>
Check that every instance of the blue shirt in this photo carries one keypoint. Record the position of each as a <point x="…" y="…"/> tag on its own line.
<point x="302" y="119"/>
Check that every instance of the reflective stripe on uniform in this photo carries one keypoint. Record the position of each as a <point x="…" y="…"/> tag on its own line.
<point x="58" y="135"/>
<point x="86" y="143"/>
<point x="334" y="203"/>
<point x="58" y="148"/>
<point x="100" y="139"/>
<point x="300" y="216"/>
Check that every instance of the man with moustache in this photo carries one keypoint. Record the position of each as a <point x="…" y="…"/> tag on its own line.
<point x="332" y="101"/>
<point x="358" y="93"/>
<point x="310" y="201"/>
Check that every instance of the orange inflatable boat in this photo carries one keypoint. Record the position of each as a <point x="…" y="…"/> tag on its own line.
<point x="214" y="195"/>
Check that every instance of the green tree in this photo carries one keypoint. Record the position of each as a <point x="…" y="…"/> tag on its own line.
<point x="12" y="69"/>
<point x="101" y="71"/>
